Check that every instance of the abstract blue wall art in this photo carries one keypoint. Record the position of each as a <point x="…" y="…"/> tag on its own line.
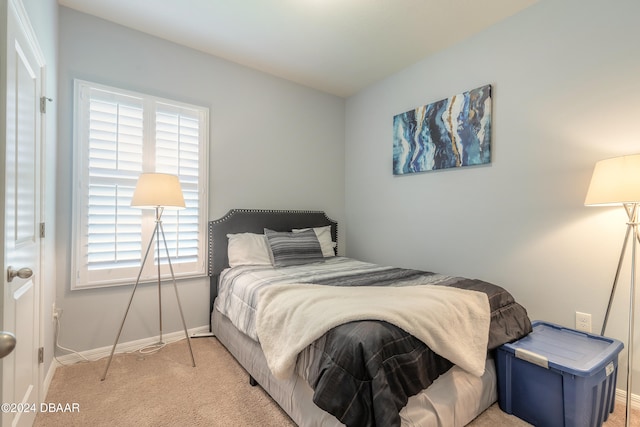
<point x="450" y="133"/>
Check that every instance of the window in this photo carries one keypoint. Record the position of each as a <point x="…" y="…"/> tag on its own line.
<point x="118" y="135"/>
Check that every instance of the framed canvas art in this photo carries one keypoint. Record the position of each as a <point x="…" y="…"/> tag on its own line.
<point x="450" y="133"/>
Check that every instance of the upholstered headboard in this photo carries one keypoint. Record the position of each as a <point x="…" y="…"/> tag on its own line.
<point x="255" y="221"/>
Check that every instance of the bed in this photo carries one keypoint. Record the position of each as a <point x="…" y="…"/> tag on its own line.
<point x="362" y="372"/>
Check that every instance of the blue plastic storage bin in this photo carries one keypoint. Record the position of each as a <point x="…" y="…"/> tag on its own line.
<point x="557" y="376"/>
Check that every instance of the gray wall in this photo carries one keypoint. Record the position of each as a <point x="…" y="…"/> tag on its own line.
<point x="273" y="145"/>
<point x="566" y="85"/>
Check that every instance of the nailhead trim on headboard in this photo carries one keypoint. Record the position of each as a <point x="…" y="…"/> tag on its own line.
<point x="233" y="212"/>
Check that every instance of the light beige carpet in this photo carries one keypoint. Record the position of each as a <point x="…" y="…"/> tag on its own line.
<point x="163" y="389"/>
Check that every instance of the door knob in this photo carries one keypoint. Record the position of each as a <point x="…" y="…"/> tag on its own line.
<point x="23" y="273"/>
<point x="7" y="343"/>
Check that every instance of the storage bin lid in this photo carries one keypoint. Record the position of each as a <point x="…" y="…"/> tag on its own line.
<point x="568" y="350"/>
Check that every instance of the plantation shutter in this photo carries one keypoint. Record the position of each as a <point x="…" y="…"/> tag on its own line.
<point x="177" y="147"/>
<point x="120" y="135"/>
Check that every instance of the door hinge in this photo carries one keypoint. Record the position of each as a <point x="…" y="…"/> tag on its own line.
<point x="42" y="230"/>
<point x="41" y="355"/>
<point x="43" y="104"/>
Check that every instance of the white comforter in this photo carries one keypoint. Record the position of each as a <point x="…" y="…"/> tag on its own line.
<point x="453" y="322"/>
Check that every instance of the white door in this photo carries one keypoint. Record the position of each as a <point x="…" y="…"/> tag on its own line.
<point x="21" y="205"/>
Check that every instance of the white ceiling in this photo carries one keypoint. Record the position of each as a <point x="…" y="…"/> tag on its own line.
<point x="337" y="46"/>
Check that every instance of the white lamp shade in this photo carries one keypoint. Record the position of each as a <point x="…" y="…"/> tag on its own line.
<point x="615" y="181"/>
<point x="158" y="190"/>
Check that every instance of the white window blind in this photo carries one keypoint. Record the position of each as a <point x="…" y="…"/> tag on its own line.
<point x="119" y="135"/>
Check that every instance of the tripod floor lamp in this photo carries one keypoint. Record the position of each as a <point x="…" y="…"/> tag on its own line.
<point x="156" y="191"/>
<point x="616" y="182"/>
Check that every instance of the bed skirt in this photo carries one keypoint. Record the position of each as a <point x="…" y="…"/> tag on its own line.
<point x="454" y="399"/>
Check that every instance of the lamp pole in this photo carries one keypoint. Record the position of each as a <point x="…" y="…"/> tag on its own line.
<point x="632" y="211"/>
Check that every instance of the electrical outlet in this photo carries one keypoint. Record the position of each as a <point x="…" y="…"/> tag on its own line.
<point x="55" y="313"/>
<point x="583" y="321"/>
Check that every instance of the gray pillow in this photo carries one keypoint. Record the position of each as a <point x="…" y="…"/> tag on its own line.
<point x="288" y="248"/>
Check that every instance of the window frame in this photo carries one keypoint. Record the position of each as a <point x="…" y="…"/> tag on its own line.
<point x="81" y="276"/>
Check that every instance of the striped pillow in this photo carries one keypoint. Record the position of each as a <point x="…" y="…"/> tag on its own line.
<point x="288" y="248"/>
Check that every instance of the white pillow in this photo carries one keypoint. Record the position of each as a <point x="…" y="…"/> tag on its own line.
<point x="324" y="237"/>
<point x="248" y="249"/>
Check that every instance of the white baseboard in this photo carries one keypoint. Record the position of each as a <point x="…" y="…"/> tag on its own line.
<point x="621" y="397"/>
<point x="126" y="347"/>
